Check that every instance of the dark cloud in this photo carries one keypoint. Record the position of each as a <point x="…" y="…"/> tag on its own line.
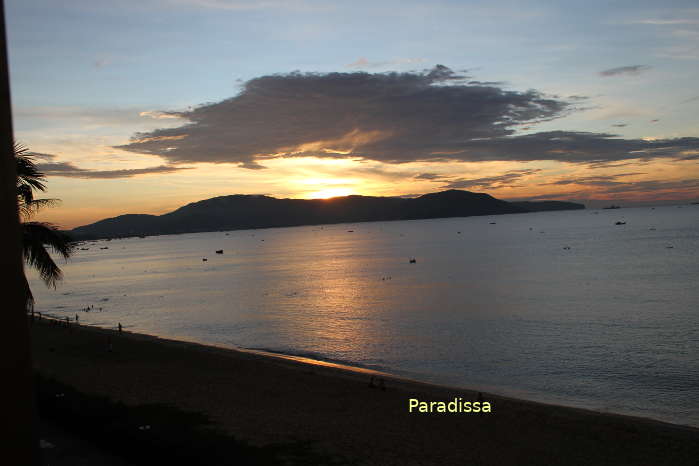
<point x="68" y="170"/>
<point x="252" y="165"/>
<point x="486" y="83"/>
<point x="41" y="156"/>
<point x="575" y="147"/>
<point x="625" y="70"/>
<point x="649" y="189"/>
<point x="499" y="181"/>
<point x="596" y="165"/>
<point x="388" y="117"/>
<point x="652" y="186"/>
<point x="434" y="115"/>
<point x="428" y="176"/>
<point x="101" y="63"/>
<point x="638" y="192"/>
<point x="601" y="180"/>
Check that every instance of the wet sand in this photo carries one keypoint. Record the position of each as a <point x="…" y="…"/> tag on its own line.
<point x="265" y="399"/>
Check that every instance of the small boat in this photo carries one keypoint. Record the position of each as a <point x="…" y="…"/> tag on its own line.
<point x="620" y="223"/>
<point x="612" y="207"/>
<point x="492" y="223"/>
<point x="220" y="251"/>
<point x="412" y="261"/>
<point x="204" y="259"/>
<point x="106" y="247"/>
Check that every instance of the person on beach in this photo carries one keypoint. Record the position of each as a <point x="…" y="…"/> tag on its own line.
<point x="77" y="318"/>
<point x="119" y="327"/>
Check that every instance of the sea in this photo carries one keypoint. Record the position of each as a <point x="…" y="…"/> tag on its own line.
<point x="596" y="309"/>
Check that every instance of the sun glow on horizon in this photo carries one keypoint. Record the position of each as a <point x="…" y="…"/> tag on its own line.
<point x="330" y="192"/>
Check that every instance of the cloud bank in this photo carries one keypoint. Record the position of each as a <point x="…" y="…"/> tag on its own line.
<point x="68" y="170"/>
<point x="501" y="181"/>
<point x="433" y="115"/>
<point x="627" y="70"/>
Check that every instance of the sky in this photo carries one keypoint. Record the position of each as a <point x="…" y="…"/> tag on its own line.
<point x="144" y="106"/>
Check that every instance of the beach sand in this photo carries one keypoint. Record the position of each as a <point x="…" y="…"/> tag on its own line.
<point x="265" y="400"/>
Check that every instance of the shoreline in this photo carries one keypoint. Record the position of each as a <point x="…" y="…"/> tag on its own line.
<point x="263" y="398"/>
<point x="356" y="370"/>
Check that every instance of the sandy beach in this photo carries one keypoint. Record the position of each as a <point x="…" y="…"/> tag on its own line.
<point x="264" y="399"/>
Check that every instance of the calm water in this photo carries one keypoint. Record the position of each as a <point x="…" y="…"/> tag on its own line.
<point x="611" y="324"/>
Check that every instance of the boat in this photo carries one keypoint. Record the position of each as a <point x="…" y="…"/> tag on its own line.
<point x="620" y="223"/>
<point x="612" y="207"/>
<point x="219" y="251"/>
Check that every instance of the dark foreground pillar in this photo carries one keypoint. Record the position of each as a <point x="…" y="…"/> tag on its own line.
<point x="18" y="437"/>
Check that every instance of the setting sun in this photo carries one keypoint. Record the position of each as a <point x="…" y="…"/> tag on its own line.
<point x="330" y="192"/>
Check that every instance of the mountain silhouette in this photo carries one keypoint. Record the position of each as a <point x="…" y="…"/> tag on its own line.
<point x="241" y="211"/>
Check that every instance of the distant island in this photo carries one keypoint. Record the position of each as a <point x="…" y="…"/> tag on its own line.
<point x="239" y="212"/>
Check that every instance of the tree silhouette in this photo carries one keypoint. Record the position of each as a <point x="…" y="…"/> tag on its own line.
<point x="37" y="236"/>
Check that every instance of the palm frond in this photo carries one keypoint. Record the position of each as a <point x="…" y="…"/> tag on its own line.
<point x="35" y="237"/>
<point x="27" y="173"/>
<point x="28" y="209"/>
<point x="25" y="195"/>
